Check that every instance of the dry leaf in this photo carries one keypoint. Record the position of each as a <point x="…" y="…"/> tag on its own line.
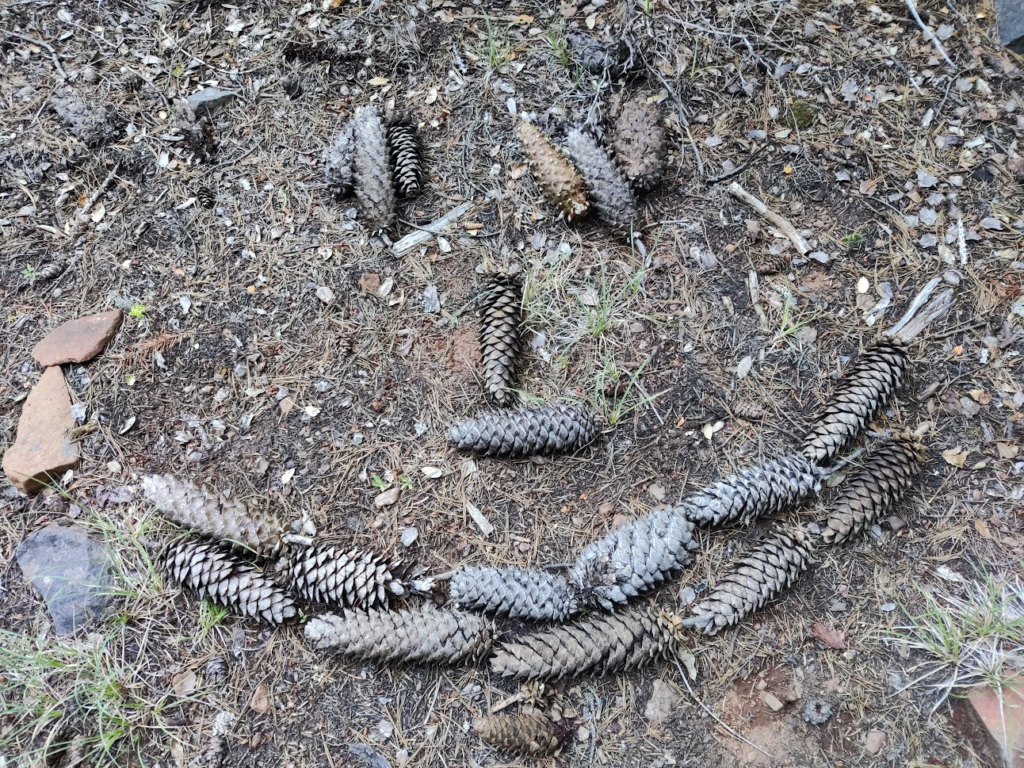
<point x="260" y="701"/>
<point x="432" y="472"/>
<point x="1007" y="450"/>
<point x="828" y="636"/>
<point x="982" y="528"/>
<point x="378" y="81"/>
<point x="184" y="683"/>
<point x="955" y="456"/>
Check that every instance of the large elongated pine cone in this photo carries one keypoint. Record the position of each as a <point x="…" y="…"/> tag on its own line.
<point x="753" y="580"/>
<point x="500" y="343"/>
<point x="601" y="643"/>
<point x="859" y="397"/>
<point x="525" y="734"/>
<point x="519" y="593"/>
<point x="211" y="514"/>
<point x="608" y="189"/>
<point x="349" y="578"/>
<point x="213" y="571"/>
<point x="374" y="184"/>
<point x="528" y="431"/>
<point x="338" y="158"/>
<point x="634" y="558"/>
<point x="875" y="488"/>
<point x="406" y="158"/>
<point x="557" y="178"/>
<point x="639" y="143"/>
<point x="423" y="635"/>
<point x="757" y="491"/>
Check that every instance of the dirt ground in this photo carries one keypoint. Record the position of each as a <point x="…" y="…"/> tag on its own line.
<point x="231" y="370"/>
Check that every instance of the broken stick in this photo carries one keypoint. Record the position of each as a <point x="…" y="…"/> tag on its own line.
<point x="787" y="229"/>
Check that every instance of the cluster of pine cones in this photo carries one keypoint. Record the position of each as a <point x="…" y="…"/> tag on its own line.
<point x="379" y="160"/>
<point x="583" y="174"/>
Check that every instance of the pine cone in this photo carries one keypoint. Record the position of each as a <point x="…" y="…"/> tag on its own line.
<point x="556" y="176"/>
<point x="602" y="643"/>
<point x="773" y="264"/>
<point x="210" y="514"/>
<point x="518" y="593"/>
<point x="640" y="144"/>
<point x="206" y="197"/>
<point x="607" y="187"/>
<point x="406" y="158"/>
<point x="634" y="558"/>
<point x="500" y="343"/>
<point x="875" y="488"/>
<point x="425" y="635"/>
<point x="528" y="431"/>
<point x="598" y="57"/>
<point x="353" y="578"/>
<point x="753" y="580"/>
<point x="528" y="734"/>
<point x="216" y="573"/>
<point x="338" y="159"/>
<point x="860" y="396"/>
<point x="375" y="189"/>
<point x="755" y="492"/>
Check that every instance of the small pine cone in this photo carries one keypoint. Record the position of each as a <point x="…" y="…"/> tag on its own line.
<point x="753" y="580"/>
<point x="601" y="643"/>
<point x="640" y="144"/>
<point x="527" y="734"/>
<point x="500" y="342"/>
<point x="215" y="572"/>
<point x="519" y="593"/>
<point x="607" y="187"/>
<point x="599" y="57"/>
<point x="875" y="488"/>
<point x="772" y="265"/>
<point x="338" y="158"/>
<point x="210" y="514"/>
<point x="528" y="431"/>
<point x="557" y="178"/>
<point x="374" y="185"/>
<point x="860" y="396"/>
<point x="634" y="558"/>
<point x="425" y="635"/>
<point x="206" y="197"/>
<point x="755" y="492"/>
<point x="406" y="158"/>
<point x="353" y="578"/>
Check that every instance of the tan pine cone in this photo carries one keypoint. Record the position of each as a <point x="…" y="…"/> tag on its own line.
<point x="525" y="734"/>
<point x="640" y="144"/>
<point x="374" y="184"/>
<point x="607" y="188"/>
<point x="500" y="342"/>
<point x="555" y="175"/>
<point x="346" y="578"/>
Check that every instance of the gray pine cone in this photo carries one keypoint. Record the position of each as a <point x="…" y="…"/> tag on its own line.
<point x="753" y="580"/>
<point x="755" y="492"/>
<point x="528" y="431"/>
<point x="500" y="343"/>
<point x="424" y="635"/>
<point x="860" y="396"/>
<point x="406" y="158"/>
<point x="601" y="643"/>
<point x="875" y="488"/>
<point x="519" y="593"/>
<point x="338" y="158"/>
<point x="599" y="57"/>
<point x="211" y="514"/>
<point x="526" y="734"/>
<point x="349" y="578"/>
<point x="608" y="189"/>
<point x="639" y="143"/>
<point x="634" y="558"/>
<point x="375" y="189"/>
<point x="214" y="572"/>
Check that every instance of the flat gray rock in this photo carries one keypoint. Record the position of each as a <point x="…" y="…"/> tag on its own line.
<point x="1011" y="24"/>
<point x="71" y="572"/>
<point x="209" y="100"/>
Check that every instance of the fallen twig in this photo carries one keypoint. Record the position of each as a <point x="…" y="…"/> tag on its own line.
<point x="928" y="33"/>
<point x="83" y="213"/>
<point x="53" y="54"/>
<point x="787" y="229"/>
<point x="426" y="232"/>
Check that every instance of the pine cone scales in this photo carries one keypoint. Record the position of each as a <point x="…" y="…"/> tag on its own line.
<point x="528" y="431"/>
<point x="634" y="558"/>
<point x="755" y="492"/>
<point x="338" y="158"/>
<point x="875" y="488"/>
<point x="557" y="178"/>
<point x="639" y="143"/>
<point x="500" y="342"/>
<point x="425" y="635"/>
<point x="860" y="396"/>
<point x="216" y="573"/>
<point x="518" y="593"/>
<point x="753" y="580"/>
<point x="607" y="187"/>
<point x="374" y="185"/>
<point x="602" y="643"/>
<point x="406" y="158"/>
<point x="353" y="578"/>
<point x="526" y="734"/>
<point x="210" y="514"/>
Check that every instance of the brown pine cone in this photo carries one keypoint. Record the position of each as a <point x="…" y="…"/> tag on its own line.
<point x="500" y="343"/>
<point x="525" y="734"/>
<point x="555" y="175"/>
<point x="639" y="143"/>
<point x="406" y="158"/>
<point x="607" y="188"/>
<point x="353" y="578"/>
<point x="528" y="431"/>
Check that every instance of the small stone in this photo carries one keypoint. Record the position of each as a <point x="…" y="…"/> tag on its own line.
<point x="325" y="294"/>
<point x="657" y="491"/>
<point x="1011" y="25"/>
<point x="431" y="301"/>
<point x="875" y="741"/>
<point x="43" y="448"/>
<point x="79" y="340"/>
<point x="1002" y="713"/>
<point x="409" y="536"/>
<point x="687" y="596"/>
<point x="896" y="523"/>
<point x="388" y="497"/>
<point x="70" y="571"/>
<point x="664" y="699"/>
<point x="888" y="607"/>
<point x="772" y="701"/>
<point x="209" y="100"/>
